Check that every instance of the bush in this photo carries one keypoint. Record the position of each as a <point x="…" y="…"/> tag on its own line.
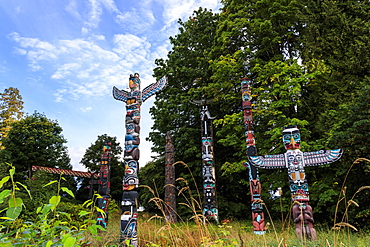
<point x="54" y="223"/>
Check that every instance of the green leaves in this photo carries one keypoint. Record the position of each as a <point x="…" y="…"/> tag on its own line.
<point x="35" y="140"/>
<point x="4" y="180"/>
<point x="15" y="207"/>
<point x="4" y="194"/>
<point x="49" y="227"/>
<point x="68" y="191"/>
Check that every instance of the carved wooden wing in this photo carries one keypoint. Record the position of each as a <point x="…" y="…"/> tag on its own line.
<point x="153" y="88"/>
<point x="321" y="157"/>
<point x="268" y="161"/>
<point x="119" y="94"/>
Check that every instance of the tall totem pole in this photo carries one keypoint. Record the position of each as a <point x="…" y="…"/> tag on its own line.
<point x="210" y="210"/>
<point x="258" y="217"/>
<point x="170" y="190"/>
<point x="104" y="185"/>
<point x="133" y="100"/>
<point x="295" y="160"/>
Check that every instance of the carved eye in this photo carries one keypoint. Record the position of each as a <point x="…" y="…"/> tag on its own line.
<point x="287" y="137"/>
<point x="297" y="136"/>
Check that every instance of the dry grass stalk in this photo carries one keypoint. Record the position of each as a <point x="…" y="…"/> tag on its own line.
<point x="343" y="224"/>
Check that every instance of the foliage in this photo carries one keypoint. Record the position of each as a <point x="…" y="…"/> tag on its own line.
<point x="11" y="109"/>
<point x="304" y="58"/>
<point x="49" y="227"/>
<point x="35" y="140"/>
<point x="92" y="160"/>
<point x="188" y="72"/>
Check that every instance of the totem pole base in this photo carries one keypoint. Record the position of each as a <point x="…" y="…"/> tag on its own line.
<point x="303" y="218"/>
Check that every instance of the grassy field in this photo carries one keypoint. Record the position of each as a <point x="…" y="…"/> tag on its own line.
<point x="153" y="232"/>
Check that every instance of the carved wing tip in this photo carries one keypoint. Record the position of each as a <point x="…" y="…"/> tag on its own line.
<point x="119" y="94"/>
<point x="255" y="161"/>
<point x="154" y="88"/>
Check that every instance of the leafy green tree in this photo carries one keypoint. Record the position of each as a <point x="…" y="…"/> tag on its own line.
<point x="92" y="160"/>
<point x="11" y="109"/>
<point x="152" y="184"/>
<point x="336" y="38"/>
<point x="187" y="68"/>
<point x="256" y="39"/>
<point x="35" y="140"/>
<point x="305" y="60"/>
<point x="336" y="34"/>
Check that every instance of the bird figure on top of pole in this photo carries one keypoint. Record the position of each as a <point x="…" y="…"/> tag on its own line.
<point x="295" y="160"/>
<point x="133" y="100"/>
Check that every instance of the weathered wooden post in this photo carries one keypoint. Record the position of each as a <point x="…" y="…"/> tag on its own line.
<point x="258" y="217"/>
<point x="133" y="100"/>
<point x="170" y="189"/>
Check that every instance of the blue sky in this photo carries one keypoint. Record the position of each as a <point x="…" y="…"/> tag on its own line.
<point x="65" y="57"/>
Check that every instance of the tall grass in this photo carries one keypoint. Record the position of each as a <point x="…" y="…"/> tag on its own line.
<point x="154" y="232"/>
<point x="196" y="231"/>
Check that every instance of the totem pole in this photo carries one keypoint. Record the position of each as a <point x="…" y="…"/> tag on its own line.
<point x="170" y="190"/>
<point x="133" y="100"/>
<point x="210" y="210"/>
<point x="295" y="160"/>
<point x="258" y="217"/>
<point x="104" y="185"/>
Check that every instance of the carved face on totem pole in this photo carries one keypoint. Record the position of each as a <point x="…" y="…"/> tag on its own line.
<point x="295" y="164"/>
<point x="291" y="137"/>
<point x="134" y="82"/>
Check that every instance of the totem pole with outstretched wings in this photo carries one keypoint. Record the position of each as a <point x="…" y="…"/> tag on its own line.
<point x="133" y="100"/>
<point x="295" y="160"/>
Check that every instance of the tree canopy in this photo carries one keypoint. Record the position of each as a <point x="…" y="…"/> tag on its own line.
<point x="92" y="160"/>
<point x="11" y="109"/>
<point x="35" y="140"/>
<point x="304" y="60"/>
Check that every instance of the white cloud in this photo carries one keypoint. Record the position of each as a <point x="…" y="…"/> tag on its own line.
<point x="90" y="66"/>
<point x="18" y="10"/>
<point x="71" y="8"/>
<point x="65" y="70"/>
<point x="86" y="109"/>
<point x="59" y="95"/>
<point x="98" y="37"/>
<point x="125" y="44"/>
<point x="76" y="154"/>
<point x="84" y="31"/>
<point x="175" y="9"/>
<point x="94" y="15"/>
<point x="2" y="68"/>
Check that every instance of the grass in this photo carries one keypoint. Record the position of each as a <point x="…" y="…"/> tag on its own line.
<point x="196" y="232"/>
<point x="154" y="232"/>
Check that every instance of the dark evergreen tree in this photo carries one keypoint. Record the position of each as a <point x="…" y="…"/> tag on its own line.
<point x="92" y="160"/>
<point x="335" y="39"/>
